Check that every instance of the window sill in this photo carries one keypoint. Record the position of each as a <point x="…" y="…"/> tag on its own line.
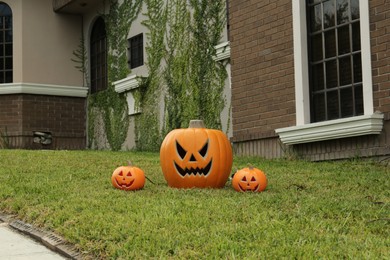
<point x="128" y="85"/>
<point x="334" y="129"/>
<point x="222" y="51"/>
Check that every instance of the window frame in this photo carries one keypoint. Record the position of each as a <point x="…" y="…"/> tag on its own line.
<point x="7" y="58"/>
<point x="304" y="131"/>
<point x="100" y="67"/>
<point x="138" y="61"/>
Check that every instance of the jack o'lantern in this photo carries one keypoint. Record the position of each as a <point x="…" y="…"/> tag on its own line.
<point x="196" y="157"/>
<point x="249" y="179"/>
<point x="128" y="178"/>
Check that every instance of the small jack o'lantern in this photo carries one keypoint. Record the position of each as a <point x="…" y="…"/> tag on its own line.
<point x="249" y="179"/>
<point x="196" y="157"/>
<point x="128" y="178"/>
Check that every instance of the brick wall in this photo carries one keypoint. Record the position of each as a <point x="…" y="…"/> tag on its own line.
<point x="263" y="91"/>
<point x="63" y="117"/>
<point x="380" y="50"/>
<point x="262" y="68"/>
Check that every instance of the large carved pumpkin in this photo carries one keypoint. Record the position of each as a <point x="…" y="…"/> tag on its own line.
<point x="128" y="178"/>
<point x="249" y="179"/>
<point x="196" y="157"/>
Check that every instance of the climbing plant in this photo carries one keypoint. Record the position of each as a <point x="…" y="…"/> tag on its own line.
<point x="181" y="40"/>
<point x="148" y="96"/>
<point x="111" y="105"/>
<point x="182" y="73"/>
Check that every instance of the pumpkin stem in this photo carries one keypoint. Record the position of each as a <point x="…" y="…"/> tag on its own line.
<point x="196" y="124"/>
<point x="250" y="166"/>
<point x="130" y="163"/>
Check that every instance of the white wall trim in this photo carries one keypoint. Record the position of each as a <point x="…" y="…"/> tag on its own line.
<point x="126" y="84"/>
<point x="222" y="51"/>
<point x="43" y="89"/>
<point x="334" y="129"/>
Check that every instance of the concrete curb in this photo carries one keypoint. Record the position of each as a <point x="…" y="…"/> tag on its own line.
<point x="48" y="239"/>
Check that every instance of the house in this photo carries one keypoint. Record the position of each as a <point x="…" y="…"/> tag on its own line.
<point x="295" y="78"/>
<point x="42" y="97"/>
<point x="72" y="71"/>
<point x="310" y="78"/>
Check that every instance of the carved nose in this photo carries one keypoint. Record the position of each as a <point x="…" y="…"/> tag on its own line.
<point x="192" y="159"/>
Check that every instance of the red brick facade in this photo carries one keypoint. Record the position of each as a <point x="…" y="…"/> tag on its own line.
<point x="64" y="117"/>
<point x="263" y="90"/>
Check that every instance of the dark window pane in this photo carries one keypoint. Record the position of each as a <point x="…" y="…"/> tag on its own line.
<point x="319" y="107"/>
<point x="1" y="65"/>
<point x="356" y="36"/>
<point x="346" y="102"/>
<point x="318" y="77"/>
<point x="343" y="39"/>
<point x="330" y="44"/>
<point x="8" y="50"/>
<point x="8" y="77"/>
<point x="136" y="51"/>
<point x="315" y="18"/>
<point x="98" y="56"/>
<point x="2" y="50"/>
<point x="8" y="36"/>
<point x="357" y="68"/>
<point x="333" y="104"/>
<point x="359" y="109"/>
<point x="334" y="59"/>
<point x="7" y="22"/>
<point x="316" y="47"/>
<point x="331" y="74"/>
<point x="329" y="14"/>
<point x="8" y="63"/>
<point x="342" y="11"/>
<point x="355" y="14"/>
<point x="345" y="71"/>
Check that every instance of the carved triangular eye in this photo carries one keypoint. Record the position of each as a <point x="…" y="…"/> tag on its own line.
<point x="253" y="178"/>
<point x="204" y="149"/>
<point x="129" y="174"/>
<point x="180" y="150"/>
<point x="121" y="173"/>
<point x="244" y="178"/>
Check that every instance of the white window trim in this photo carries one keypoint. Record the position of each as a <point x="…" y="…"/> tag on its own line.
<point x="222" y="51"/>
<point x="299" y="134"/>
<point x="128" y="85"/>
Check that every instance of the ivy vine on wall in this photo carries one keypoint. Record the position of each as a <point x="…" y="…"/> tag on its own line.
<point x="108" y="103"/>
<point x="182" y="74"/>
<point x="181" y="40"/>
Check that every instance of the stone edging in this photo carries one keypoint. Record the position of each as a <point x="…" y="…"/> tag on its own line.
<point x="48" y="239"/>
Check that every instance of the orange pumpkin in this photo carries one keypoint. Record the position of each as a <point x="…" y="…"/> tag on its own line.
<point x="249" y="179"/>
<point x="196" y="157"/>
<point x="128" y="178"/>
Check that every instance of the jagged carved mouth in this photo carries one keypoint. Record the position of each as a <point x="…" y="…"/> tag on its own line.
<point x="194" y="171"/>
<point x="124" y="185"/>
<point x="247" y="187"/>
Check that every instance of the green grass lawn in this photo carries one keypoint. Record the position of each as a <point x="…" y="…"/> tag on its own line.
<point x="327" y="210"/>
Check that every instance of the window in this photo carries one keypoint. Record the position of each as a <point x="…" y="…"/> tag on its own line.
<point x="136" y="51"/>
<point x="305" y="72"/>
<point x="6" y="42"/>
<point x="98" y="56"/>
<point x="333" y="86"/>
<point x="334" y="59"/>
